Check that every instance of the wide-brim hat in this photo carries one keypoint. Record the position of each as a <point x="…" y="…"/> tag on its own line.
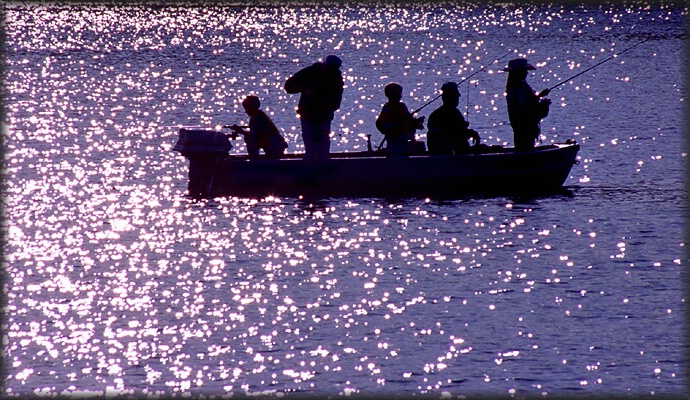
<point x="518" y="63"/>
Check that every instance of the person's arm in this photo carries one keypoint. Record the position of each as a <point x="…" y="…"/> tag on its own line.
<point x="464" y="128"/>
<point x="544" y="105"/>
<point x="302" y="82"/>
<point x="292" y="85"/>
<point x="295" y="83"/>
<point x="338" y="96"/>
<point x="331" y="95"/>
<point x="409" y="123"/>
<point x="236" y="130"/>
<point x="384" y="122"/>
<point x="538" y="104"/>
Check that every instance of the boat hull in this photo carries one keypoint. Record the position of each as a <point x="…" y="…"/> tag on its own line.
<point x="361" y="175"/>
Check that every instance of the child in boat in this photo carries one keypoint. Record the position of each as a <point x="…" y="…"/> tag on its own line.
<point x="397" y="123"/>
<point x="263" y="134"/>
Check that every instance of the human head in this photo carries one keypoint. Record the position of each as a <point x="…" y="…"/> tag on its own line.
<point x="332" y="62"/>
<point x="518" y="68"/>
<point x="251" y="104"/>
<point x="450" y="93"/>
<point x="518" y="64"/>
<point x="393" y="91"/>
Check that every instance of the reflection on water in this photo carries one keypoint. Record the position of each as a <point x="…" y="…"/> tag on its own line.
<point x="118" y="283"/>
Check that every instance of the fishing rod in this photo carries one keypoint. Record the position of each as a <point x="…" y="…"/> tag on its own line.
<point x="459" y="83"/>
<point x="545" y="92"/>
<point x="467" y="105"/>
<point x="462" y="81"/>
<point x="236" y="130"/>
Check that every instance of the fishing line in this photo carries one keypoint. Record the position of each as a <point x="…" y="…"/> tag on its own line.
<point x="593" y="66"/>
<point x="464" y="80"/>
<point x="459" y="83"/>
<point x="467" y="107"/>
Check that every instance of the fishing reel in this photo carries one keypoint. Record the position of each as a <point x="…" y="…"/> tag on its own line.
<point x="236" y="130"/>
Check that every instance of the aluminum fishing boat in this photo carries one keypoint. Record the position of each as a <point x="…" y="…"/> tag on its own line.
<point x="493" y="171"/>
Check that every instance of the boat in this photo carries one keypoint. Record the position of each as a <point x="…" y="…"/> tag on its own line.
<point x="496" y="170"/>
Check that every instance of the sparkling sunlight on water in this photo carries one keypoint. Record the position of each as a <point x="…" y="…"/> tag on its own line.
<point x="117" y="283"/>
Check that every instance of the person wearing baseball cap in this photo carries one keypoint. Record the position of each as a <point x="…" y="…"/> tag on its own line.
<point x="449" y="133"/>
<point x="321" y="91"/>
<point x="526" y="108"/>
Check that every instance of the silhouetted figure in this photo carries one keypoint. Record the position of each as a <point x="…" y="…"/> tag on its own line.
<point x="449" y="133"/>
<point x="525" y="108"/>
<point x="321" y="88"/>
<point x="263" y="134"/>
<point x="397" y="123"/>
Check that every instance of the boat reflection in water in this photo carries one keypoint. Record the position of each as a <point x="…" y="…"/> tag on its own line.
<point x="495" y="171"/>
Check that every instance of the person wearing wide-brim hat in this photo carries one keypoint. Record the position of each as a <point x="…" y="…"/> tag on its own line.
<point x="526" y="108"/>
<point x="449" y="133"/>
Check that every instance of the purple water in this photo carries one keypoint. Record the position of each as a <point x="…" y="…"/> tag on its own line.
<point x="117" y="283"/>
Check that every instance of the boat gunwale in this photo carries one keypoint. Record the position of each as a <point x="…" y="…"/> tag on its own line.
<point x="369" y="155"/>
<point x="495" y="172"/>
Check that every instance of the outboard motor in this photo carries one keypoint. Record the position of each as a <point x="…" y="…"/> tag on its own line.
<point x="196" y="141"/>
<point x="204" y="149"/>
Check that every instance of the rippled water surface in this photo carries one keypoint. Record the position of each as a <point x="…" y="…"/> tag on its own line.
<point x="116" y="282"/>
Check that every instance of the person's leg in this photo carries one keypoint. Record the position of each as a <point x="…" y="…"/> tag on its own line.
<point x="524" y="140"/>
<point x="317" y="141"/>
<point x="275" y="151"/>
<point x="397" y="147"/>
<point x="252" y="148"/>
<point x="324" y="141"/>
<point x="309" y="135"/>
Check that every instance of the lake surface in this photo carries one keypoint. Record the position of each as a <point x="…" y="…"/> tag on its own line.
<point x="116" y="282"/>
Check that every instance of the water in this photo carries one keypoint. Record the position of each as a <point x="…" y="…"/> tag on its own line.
<point x="118" y="283"/>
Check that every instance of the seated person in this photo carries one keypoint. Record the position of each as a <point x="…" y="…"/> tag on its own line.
<point x="448" y="131"/>
<point x="396" y="122"/>
<point x="263" y="134"/>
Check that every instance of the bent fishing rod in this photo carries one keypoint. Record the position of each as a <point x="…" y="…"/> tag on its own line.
<point x="464" y="80"/>
<point x="546" y="91"/>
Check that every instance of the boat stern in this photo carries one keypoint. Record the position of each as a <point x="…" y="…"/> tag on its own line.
<point x="204" y="149"/>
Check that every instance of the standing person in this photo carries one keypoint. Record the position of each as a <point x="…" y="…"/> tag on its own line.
<point x="449" y="133"/>
<point x="263" y="134"/>
<point x="321" y="88"/>
<point x="525" y="108"/>
<point x="397" y="123"/>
